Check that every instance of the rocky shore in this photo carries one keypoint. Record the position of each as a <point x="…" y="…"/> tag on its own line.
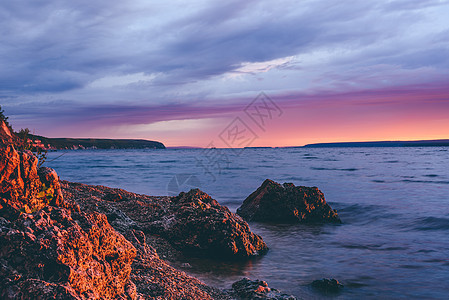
<point x="66" y="240"/>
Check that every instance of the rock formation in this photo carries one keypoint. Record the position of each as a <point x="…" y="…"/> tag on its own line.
<point x="199" y="225"/>
<point x="287" y="203"/>
<point x="54" y="252"/>
<point x="192" y="222"/>
<point x="62" y="240"/>
<point x="48" y="250"/>
<point x="256" y="289"/>
<point x="327" y="286"/>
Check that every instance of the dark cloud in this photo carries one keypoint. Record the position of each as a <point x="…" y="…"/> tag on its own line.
<point x="58" y="48"/>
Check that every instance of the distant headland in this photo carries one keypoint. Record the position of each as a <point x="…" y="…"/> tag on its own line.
<point x="423" y="143"/>
<point x="71" y="143"/>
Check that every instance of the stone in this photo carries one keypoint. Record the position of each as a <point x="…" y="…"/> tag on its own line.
<point x="287" y="203"/>
<point x="199" y="225"/>
<point x="256" y="289"/>
<point x="327" y="286"/>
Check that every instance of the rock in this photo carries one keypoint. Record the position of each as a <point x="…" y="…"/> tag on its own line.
<point x="287" y="203"/>
<point x="19" y="182"/>
<point x="198" y="225"/>
<point x="50" y="179"/>
<point x="327" y="286"/>
<point x="256" y="289"/>
<point x="24" y="188"/>
<point x="153" y="277"/>
<point x="56" y="254"/>
<point x="192" y="222"/>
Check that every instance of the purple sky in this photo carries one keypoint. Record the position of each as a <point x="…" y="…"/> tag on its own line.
<point x="180" y="73"/>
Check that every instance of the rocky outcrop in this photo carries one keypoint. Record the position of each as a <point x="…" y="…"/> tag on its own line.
<point x="256" y="289"/>
<point x="133" y="216"/>
<point x="61" y="240"/>
<point x="50" y="180"/>
<point x="67" y="255"/>
<point x="327" y="286"/>
<point x="287" y="203"/>
<point x="192" y="222"/>
<point x="48" y="248"/>
<point x="197" y="224"/>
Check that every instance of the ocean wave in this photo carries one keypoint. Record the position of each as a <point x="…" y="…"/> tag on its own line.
<point x="431" y="223"/>
<point x="334" y="169"/>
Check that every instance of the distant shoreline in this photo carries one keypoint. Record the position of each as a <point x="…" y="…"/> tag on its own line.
<point x="82" y="144"/>
<point x="422" y="143"/>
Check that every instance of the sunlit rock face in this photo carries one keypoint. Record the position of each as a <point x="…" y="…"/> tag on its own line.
<point x="56" y="252"/>
<point x="49" y="249"/>
<point x="287" y="203"/>
<point x="19" y="182"/>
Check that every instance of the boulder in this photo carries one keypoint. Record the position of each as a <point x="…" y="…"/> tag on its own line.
<point x="287" y="203"/>
<point x="56" y="254"/>
<point x="256" y="289"/>
<point x="327" y="286"/>
<point x="197" y="224"/>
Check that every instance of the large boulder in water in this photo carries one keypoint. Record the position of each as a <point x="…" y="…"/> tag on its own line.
<point x="287" y="203"/>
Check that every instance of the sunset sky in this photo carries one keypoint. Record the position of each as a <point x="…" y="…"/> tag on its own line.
<point x="183" y="73"/>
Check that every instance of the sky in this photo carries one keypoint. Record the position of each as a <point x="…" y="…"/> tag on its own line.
<point x="227" y="73"/>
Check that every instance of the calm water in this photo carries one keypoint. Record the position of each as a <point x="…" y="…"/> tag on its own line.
<point x="394" y="204"/>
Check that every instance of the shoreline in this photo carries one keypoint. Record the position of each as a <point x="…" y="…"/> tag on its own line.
<point x="125" y="211"/>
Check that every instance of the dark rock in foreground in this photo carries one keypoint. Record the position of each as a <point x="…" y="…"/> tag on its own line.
<point x="197" y="224"/>
<point x="287" y="203"/>
<point x="256" y="289"/>
<point x="327" y="286"/>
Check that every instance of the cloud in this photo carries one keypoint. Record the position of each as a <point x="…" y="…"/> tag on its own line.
<point x="143" y="61"/>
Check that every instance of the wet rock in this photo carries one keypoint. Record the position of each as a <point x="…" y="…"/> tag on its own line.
<point x="54" y="252"/>
<point x="199" y="225"/>
<point x="287" y="203"/>
<point x="256" y="289"/>
<point x="327" y="286"/>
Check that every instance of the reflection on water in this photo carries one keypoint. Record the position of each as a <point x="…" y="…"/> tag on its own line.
<point x="393" y="202"/>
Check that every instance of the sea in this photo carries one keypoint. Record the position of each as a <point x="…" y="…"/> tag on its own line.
<point x="393" y="202"/>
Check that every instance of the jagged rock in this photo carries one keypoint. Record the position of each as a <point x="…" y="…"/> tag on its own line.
<point x="152" y="276"/>
<point x="199" y="225"/>
<point x="192" y="222"/>
<point x="327" y="286"/>
<point x="51" y="249"/>
<point x="287" y="203"/>
<point x="19" y="182"/>
<point x="21" y="187"/>
<point x="256" y="289"/>
<point x="49" y="177"/>
<point x="56" y="254"/>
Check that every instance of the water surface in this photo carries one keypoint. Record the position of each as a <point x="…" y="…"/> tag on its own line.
<point x="393" y="202"/>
